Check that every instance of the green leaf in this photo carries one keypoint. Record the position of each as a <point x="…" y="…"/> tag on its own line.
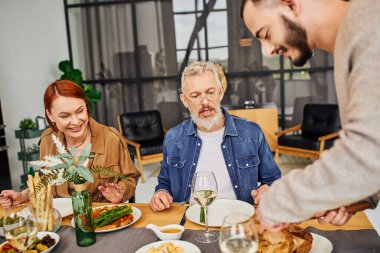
<point x="88" y="87"/>
<point x="60" y="166"/>
<point x="60" y="156"/>
<point x="76" y="73"/>
<point x="93" y="95"/>
<point x="71" y="169"/>
<point x="27" y="123"/>
<point x="86" y="151"/>
<point x="106" y="171"/>
<point x="68" y="161"/>
<point x="77" y="79"/>
<point x="65" y="66"/>
<point x="85" y="173"/>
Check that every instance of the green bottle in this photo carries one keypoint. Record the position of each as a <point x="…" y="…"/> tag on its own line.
<point x="84" y="222"/>
<point x="31" y="171"/>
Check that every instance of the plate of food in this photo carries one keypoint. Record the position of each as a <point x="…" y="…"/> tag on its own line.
<point x="218" y="210"/>
<point x="109" y="218"/>
<point x="293" y="239"/>
<point x="43" y="243"/>
<point x="170" y="246"/>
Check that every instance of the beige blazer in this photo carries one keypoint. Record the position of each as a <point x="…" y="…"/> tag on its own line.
<point x="109" y="149"/>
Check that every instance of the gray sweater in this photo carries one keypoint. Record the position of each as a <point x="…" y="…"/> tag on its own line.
<point x="350" y="170"/>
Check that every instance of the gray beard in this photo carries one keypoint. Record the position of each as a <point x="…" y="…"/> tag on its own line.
<point x="208" y="123"/>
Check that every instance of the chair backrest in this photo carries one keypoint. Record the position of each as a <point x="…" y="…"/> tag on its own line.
<point x="299" y="105"/>
<point x="320" y="119"/>
<point x="142" y="126"/>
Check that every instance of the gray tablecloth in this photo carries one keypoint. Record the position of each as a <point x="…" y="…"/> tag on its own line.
<point x="129" y="240"/>
<point x="351" y="241"/>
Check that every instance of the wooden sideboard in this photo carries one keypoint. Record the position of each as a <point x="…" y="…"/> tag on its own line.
<point x="266" y="118"/>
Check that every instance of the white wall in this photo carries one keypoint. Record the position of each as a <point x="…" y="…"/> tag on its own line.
<point x="32" y="42"/>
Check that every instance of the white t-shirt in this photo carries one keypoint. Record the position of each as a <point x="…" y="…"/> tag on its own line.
<point x="211" y="159"/>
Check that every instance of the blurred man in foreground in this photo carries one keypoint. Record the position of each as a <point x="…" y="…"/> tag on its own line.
<point x="349" y="171"/>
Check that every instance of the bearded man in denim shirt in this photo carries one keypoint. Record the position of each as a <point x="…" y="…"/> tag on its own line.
<point x="234" y="149"/>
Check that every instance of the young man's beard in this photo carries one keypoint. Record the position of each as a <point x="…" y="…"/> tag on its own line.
<point x="209" y="122"/>
<point x="297" y="38"/>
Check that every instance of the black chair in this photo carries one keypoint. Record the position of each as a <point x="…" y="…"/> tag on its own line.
<point x="144" y="135"/>
<point x="319" y="128"/>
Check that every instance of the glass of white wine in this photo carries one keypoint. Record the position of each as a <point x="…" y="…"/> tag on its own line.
<point x="205" y="190"/>
<point x="238" y="234"/>
<point x="20" y="227"/>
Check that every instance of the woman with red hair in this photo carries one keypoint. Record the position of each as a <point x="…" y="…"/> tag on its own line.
<point x="68" y="115"/>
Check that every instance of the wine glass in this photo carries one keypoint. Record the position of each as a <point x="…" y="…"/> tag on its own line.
<point x="238" y="234"/>
<point x="205" y="190"/>
<point x="20" y="227"/>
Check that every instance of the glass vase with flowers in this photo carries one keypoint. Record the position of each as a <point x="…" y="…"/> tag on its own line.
<point x="70" y="167"/>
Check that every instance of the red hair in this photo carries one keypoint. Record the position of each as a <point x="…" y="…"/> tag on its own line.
<point x="64" y="88"/>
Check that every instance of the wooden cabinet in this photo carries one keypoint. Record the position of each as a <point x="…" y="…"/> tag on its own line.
<point x="266" y="118"/>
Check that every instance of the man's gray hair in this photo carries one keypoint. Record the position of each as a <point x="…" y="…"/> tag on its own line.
<point x="197" y="68"/>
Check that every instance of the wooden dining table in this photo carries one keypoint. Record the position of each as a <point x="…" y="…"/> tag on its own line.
<point x="174" y="214"/>
<point x="136" y="236"/>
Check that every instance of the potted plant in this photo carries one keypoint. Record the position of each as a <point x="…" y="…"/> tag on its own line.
<point x="28" y="129"/>
<point x="75" y="75"/>
<point x="69" y="167"/>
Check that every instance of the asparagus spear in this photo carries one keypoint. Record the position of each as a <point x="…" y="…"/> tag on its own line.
<point x="112" y="215"/>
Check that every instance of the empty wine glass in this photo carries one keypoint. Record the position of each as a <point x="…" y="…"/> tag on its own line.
<point x="20" y="227"/>
<point x="238" y="234"/>
<point x="205" y="190"/>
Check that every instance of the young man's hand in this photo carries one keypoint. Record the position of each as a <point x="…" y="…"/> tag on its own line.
<point x="333" y="217"/>
<point x="256" y="194"/>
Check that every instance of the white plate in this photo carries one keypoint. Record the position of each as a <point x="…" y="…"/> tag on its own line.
<point x="64" y="206"/>
<point x="218" y="210"/>
<point x="53" y="235"/>
<point x="136" y="216"/>
<point x="321" y="244"/>
<point x="187" y="246"/>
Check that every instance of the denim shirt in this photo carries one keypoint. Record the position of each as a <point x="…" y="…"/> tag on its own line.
<point x="246" y="154"/>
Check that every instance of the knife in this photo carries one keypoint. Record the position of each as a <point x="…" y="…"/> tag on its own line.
<point x="183" y="220"/>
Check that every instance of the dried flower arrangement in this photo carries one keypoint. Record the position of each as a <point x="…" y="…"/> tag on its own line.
<point x="69" y="167"/>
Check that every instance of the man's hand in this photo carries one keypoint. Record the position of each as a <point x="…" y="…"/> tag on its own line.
<point x="256" y="194"/>
<point x="264" y="226"/>
<point x="112" y="192"/>
<point x="160" y="201"/>
<point x="11" y="198"/>
<point x="333" y="217"/>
